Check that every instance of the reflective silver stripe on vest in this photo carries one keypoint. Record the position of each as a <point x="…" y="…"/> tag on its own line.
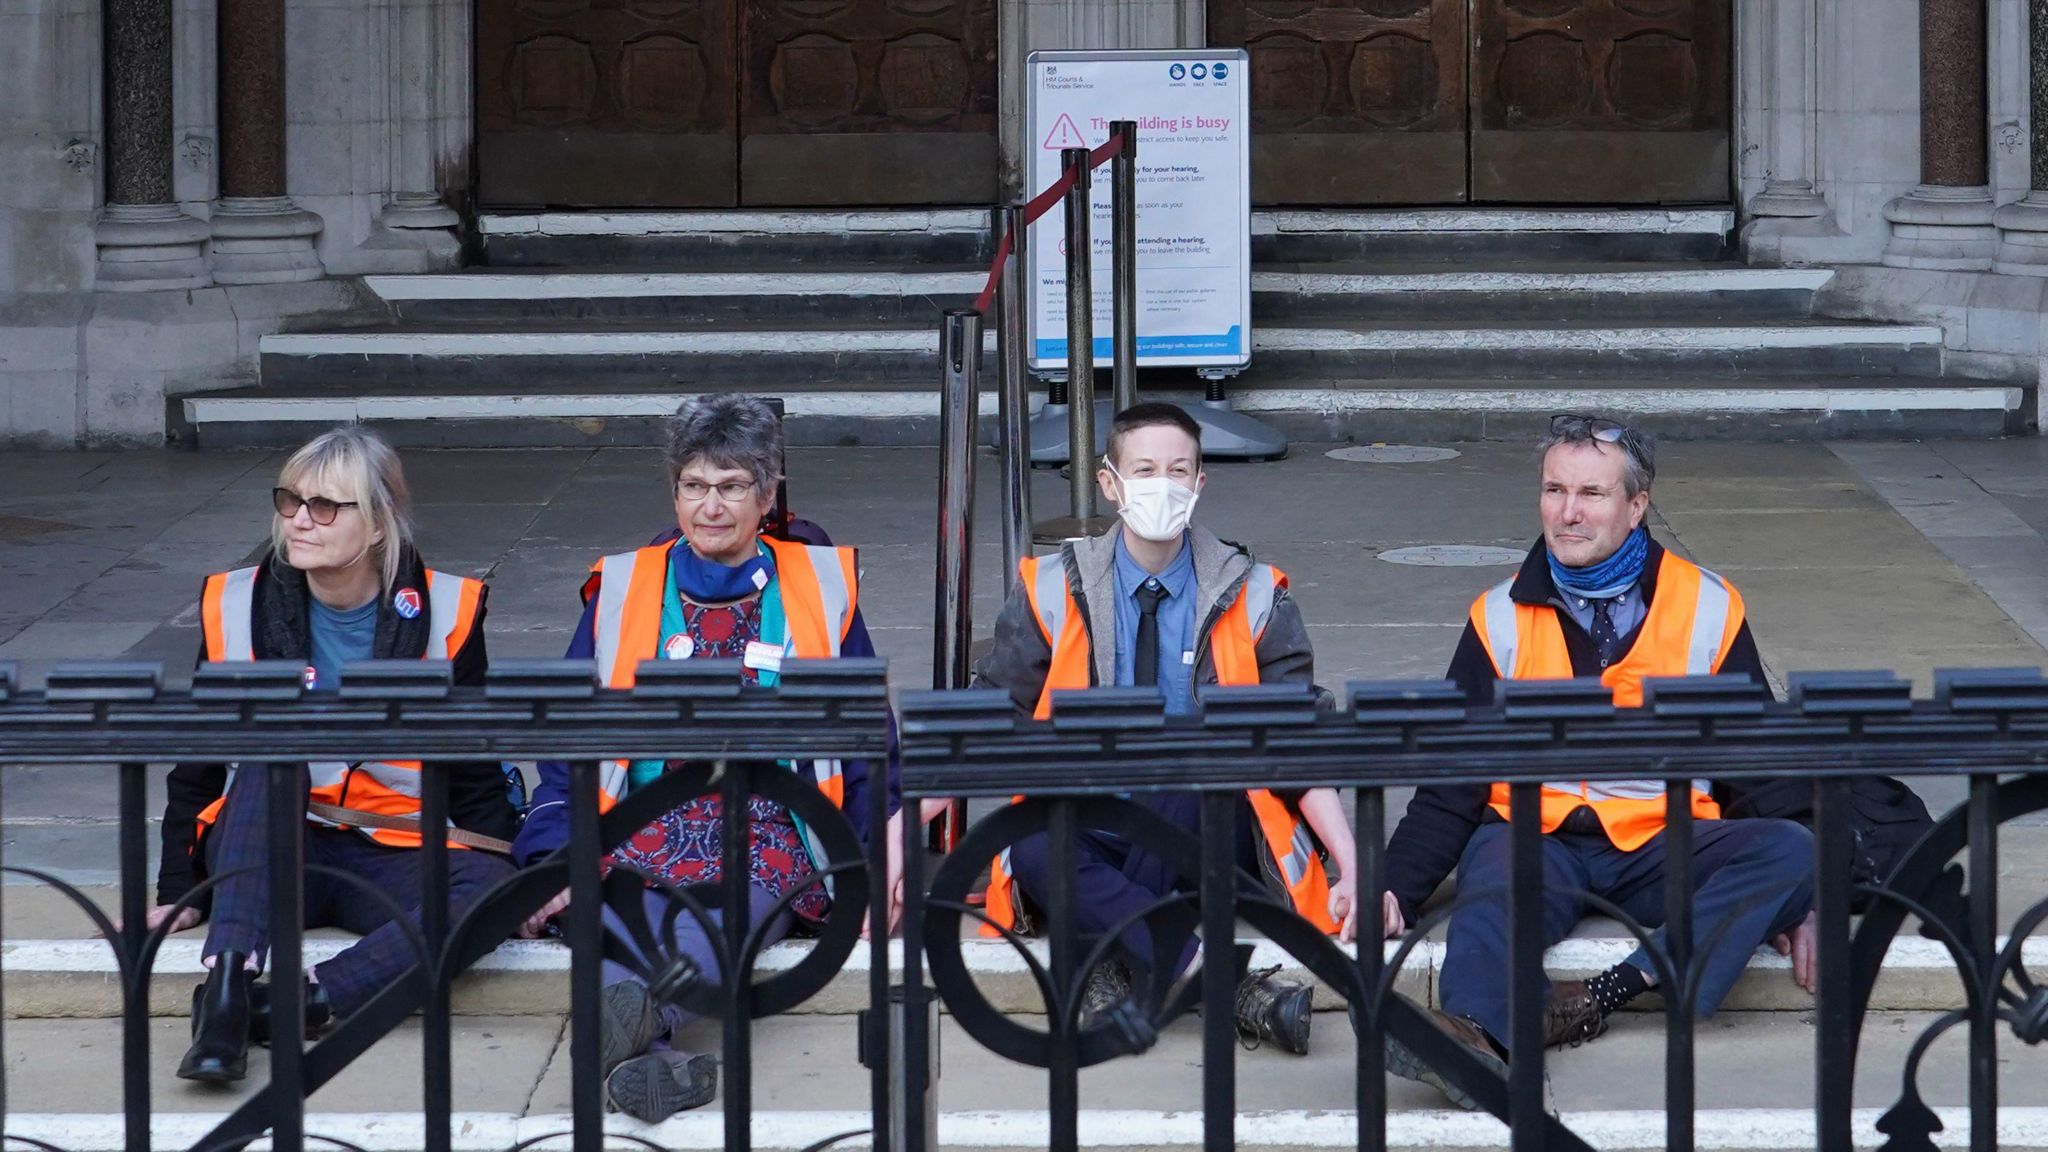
<point x="612" y="778"/>
<point x="832" y="590"/>
<point x="1050" y="590"/>
<point x="1709" y="621"/>
<point x="1501" y="634"/>
<point x="615" y="580"/>
<point x="1261" y="588"/>
<point x="1597" y="790"/>
<point x="444" y="606"/>
<point x="238" y="615"/>
<point x="1294" y="865"/>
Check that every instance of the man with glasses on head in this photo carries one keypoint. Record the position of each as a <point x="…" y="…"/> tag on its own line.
<point x="1597" y="597"/>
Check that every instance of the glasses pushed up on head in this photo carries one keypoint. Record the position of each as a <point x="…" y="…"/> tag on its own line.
<point x="320" y="508"/>
<point x="731" y="492"/>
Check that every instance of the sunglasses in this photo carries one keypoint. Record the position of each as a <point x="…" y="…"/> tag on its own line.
<point x="320" y="508"/>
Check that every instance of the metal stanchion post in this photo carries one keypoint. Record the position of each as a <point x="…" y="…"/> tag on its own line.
<point x="1123" y="222"/>
<point x="1014" y="440"/>
<point x="1080" y="336"/>
<point x="959" y="366"/>
<point x="1081" y="519"/>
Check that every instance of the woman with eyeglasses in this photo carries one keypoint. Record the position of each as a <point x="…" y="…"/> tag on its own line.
<point x="341" y="582"/>
<point x="716" y="588"/>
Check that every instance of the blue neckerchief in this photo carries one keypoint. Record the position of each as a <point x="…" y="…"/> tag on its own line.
<point x="1610" y="577"/>
<point x="707" y="582"/>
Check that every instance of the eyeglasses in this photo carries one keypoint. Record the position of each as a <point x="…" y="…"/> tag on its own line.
<point x="1598" y="427"/>
<point x="731" y="492"/>
<point x="320" y="508"/>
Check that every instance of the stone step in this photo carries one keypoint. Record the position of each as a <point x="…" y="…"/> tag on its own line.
<point x="576" y="412"/>
<point x="917" y="295"/>
<point x="62" y="978"/>
<point x="1754" y="1082"/>
<point x="537" y="358"/>
<point x="713" y="240"/>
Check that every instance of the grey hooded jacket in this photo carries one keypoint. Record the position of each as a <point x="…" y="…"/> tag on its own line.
<point x="1021" y="658"/>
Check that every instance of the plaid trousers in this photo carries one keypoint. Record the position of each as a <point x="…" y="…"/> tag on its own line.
<point x="237" y="849"/>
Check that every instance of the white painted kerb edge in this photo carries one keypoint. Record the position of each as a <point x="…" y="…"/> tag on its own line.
<point x="1717" y="1130"/>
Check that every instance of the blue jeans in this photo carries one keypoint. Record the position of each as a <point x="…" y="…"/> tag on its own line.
<point x="1752" y="879"/>
<point x="241" y="904"/>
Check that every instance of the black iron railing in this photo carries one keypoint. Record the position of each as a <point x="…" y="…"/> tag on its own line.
<point x="1989" y="727"/>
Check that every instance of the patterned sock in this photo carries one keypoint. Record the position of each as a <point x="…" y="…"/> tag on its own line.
<point x="1617" y="986"/>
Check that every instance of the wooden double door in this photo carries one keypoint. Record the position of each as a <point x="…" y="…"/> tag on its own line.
<point x="1448" y="101"/>
<point x="722" y="103"/>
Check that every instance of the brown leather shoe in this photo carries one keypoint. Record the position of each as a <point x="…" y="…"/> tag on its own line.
<point x="1407" y="1065"/>
<point x="1571" y="1016"/>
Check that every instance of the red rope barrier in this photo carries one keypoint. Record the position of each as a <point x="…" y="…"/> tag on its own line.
<point x="1038" y="206"/>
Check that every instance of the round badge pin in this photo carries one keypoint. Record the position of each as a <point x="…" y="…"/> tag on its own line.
<point x="406" y="602"/>
<point x="679" y="647"/>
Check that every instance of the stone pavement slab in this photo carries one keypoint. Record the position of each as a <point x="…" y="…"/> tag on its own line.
<point x="75" y="1066"/>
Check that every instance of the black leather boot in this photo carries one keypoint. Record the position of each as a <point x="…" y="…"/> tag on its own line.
<point x="319" y="1011"/>
<point x="220" y="1024"/>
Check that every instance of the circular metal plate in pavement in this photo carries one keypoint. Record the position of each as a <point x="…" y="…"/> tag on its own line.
<point x="1391" y="454"/>
<point x="1455" y="556"/>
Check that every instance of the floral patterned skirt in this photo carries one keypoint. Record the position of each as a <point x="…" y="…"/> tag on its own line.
<point x="687" y="846"/>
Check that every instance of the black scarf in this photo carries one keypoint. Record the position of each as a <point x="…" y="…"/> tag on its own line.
<point x="283" y="606"/>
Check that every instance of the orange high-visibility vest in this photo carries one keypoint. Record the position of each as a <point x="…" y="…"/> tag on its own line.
<point x="1233" y="645"/>
<point x="377" y="787"/>
<point x="1692" y="623"/>
<point x="820" y="589"/>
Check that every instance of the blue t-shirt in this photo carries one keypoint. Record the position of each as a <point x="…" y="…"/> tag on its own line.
<point x="339" y="637"/>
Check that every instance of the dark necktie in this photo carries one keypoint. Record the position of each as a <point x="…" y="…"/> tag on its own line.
<point x="1605" y="642"/>
<point x="1145" y="661"/>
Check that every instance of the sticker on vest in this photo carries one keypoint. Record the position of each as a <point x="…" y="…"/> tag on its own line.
<point x="406" y="602"/>
<point x="763" y="657"/>
<point x="679" y="647"/>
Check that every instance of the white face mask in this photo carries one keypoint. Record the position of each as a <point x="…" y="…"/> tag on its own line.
<point x="1155" y="507"/>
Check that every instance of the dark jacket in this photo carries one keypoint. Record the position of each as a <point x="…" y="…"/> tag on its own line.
<point x="1441" y="818"/>
<point x="1022" y="657"/>
<point x="477" y="797"/>
<point x="547" y="820"/>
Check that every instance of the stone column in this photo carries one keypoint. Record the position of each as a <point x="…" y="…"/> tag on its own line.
<point x="259" y="235"/>
<point x="416" y="203"/>
<point x="1789" y="102"/>
<point x="144" y="241"/>
<point x="2023" y="225"/>
<point x="1947" y="221"/>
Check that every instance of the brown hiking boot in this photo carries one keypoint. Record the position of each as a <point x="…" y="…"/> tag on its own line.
<point x="1571" y="1015"/>
<point x="1109" y="984"/>
<point x="1408" y="1066"/>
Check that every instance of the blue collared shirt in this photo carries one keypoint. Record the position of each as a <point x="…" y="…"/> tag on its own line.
<point x="1176" y="624"/>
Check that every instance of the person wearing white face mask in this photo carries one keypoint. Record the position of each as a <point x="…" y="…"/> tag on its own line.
<point x="1158" y="601"/>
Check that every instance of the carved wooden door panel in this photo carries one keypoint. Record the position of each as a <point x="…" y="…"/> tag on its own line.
<point x="613" y="103"/>
<point x="1606" y="101"/>
<point x="868" y="102"/>
<point x="1353" y="101"/>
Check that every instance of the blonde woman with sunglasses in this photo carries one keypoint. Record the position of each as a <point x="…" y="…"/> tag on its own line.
<point x="341" y="583"/>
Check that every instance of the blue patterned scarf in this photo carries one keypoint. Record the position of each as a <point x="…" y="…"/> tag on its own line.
<point x="1610" y="577"/>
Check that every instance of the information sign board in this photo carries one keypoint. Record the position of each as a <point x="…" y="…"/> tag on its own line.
<point x="1192" y="108"/>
